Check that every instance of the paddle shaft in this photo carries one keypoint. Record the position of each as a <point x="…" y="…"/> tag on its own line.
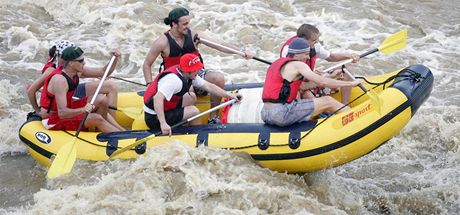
<point x="345" y="70"/>
<point x="66" y="156"/>
<point x="204" y="113"/>
<point x="95" y="94"/>
<point x="391" y="44"/>
<point x="233" y="50"/>
<point x="200" y="115"/>
<point x="112" y="107"/>
<point x="138" y="142"/>
<point x="132" y="82"/>
<point x="350" y="60"/>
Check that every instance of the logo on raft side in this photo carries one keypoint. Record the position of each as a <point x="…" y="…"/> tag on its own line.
<point x="43" y="137"/>
<point x="355" y="115"/>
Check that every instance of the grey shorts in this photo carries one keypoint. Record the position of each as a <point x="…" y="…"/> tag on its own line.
<point x="199" y="91"/>
<point x="287" y="114"/>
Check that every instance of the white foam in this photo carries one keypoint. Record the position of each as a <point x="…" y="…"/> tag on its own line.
<point x="175" y="178"/>
<point x="415" y="172"/>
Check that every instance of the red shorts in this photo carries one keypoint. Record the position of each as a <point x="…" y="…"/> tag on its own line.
<point x="53" y="122"/>
<point x="70" y="124"/>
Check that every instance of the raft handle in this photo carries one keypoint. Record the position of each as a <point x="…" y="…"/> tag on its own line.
<point x="294" y="143"/>
<point x="263" y="144"/>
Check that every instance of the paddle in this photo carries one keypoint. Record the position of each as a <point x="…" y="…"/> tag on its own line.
<point x="132" y="82"/>
<point x="230" y="49"/>
<point x="145" y="139"/>
<point x="67" y="154"/>
<point x="391" y="44"/>
<point x="131" y="112"/>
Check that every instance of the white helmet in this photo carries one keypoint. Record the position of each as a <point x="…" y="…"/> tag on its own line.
<point x="63" y="45"/>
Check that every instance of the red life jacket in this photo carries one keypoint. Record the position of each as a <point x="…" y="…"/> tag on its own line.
<point x="310" y="62"/>
<point x="276" y="88"/>
<point x="47" y="99"/>
<point x="49" y="63"/>
<point x="175" y="51"/>
<point x="176" y="99"/>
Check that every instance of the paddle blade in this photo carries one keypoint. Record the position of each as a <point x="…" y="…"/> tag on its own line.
<point x="64" y="160"/>
<point x="132" y="145"/>
<point x="394" y="42"/>
<point x="375" y="101"/>
<point x="131" y="112"/>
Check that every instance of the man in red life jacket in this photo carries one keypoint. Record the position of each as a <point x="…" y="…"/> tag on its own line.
<point x="109" y="87"/>
<point x="281" y="90"/>
<point x="177" y="41"/>
<point x="311" y="34"/>
<point x="169" y="98"/>
<point x="60" y="86"/>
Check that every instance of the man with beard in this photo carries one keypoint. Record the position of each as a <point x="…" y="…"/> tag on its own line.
<point x="178" y="41"/>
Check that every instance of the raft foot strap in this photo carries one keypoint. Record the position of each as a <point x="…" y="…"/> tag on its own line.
<point x="140" y="149"/>
<point x="294" y="140"/>
<point x="202" y="139"/>
<point x="264" y="140"/>
<point x="112" y="146"/>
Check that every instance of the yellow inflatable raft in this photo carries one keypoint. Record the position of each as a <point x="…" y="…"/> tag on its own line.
<point x="303" y="147"/>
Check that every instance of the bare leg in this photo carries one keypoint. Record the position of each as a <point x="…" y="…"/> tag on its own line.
<point x="188" y="99"/>
<point x="345" y="91"/>
<point x="190" y="111"/>
<point x="305" y="92"/>
<point x="109" y="88"/>
<point x="102" y="109"/>
<point x="327" y="104"/>
<point x="96" y="120"/>
<point x="219" y="80"/>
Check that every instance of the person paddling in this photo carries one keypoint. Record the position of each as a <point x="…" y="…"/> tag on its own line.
<point x="169" y="98"/>
<point x="109" y="87"/>
<point x="282" y="103"/>
<point x="312" y="34"/>
<point x="60" y="86"/>
<point x="180" y="40"/>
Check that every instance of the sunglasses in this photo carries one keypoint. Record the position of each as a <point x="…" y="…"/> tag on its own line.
<point x="81" y="60"/>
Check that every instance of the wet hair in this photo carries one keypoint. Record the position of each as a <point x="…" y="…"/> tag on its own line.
<point x="306" y="31"/>
<point x="52" y="51"/>
<point x="175" y="15"/>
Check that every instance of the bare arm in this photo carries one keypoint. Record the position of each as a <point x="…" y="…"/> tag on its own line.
<point x="248" y="55"/>
<point x="36" y="85"/>
<point x="58" y="87"/>
<point x="306" y="72"/>
<point x="158" y="103"/>
<point x="95" y="72"/>
<point x="335" y="57"/>
<point x="158" y="46"/>
<point x="214" y="89"/>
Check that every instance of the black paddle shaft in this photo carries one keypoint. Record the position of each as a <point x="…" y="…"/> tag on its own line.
<point x="197" y="38"/>
<point x="372" y="51"/>
<point x="132" y="82"/>
<point x="262" y="60"/>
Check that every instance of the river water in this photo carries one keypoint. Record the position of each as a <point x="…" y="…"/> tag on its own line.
<point x="416" y="172"/>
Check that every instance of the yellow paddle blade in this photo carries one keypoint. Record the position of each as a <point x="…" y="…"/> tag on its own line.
<point x="131" y="112"/>
<point x="394" y="42"/>
<point x="64" y="160"/>
<point x="375" y="101"/>
<point x="132" y="145"/>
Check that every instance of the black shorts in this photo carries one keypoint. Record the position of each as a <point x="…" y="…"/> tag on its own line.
<point x="172" y="117"/>
<point x="80" y="91"/>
